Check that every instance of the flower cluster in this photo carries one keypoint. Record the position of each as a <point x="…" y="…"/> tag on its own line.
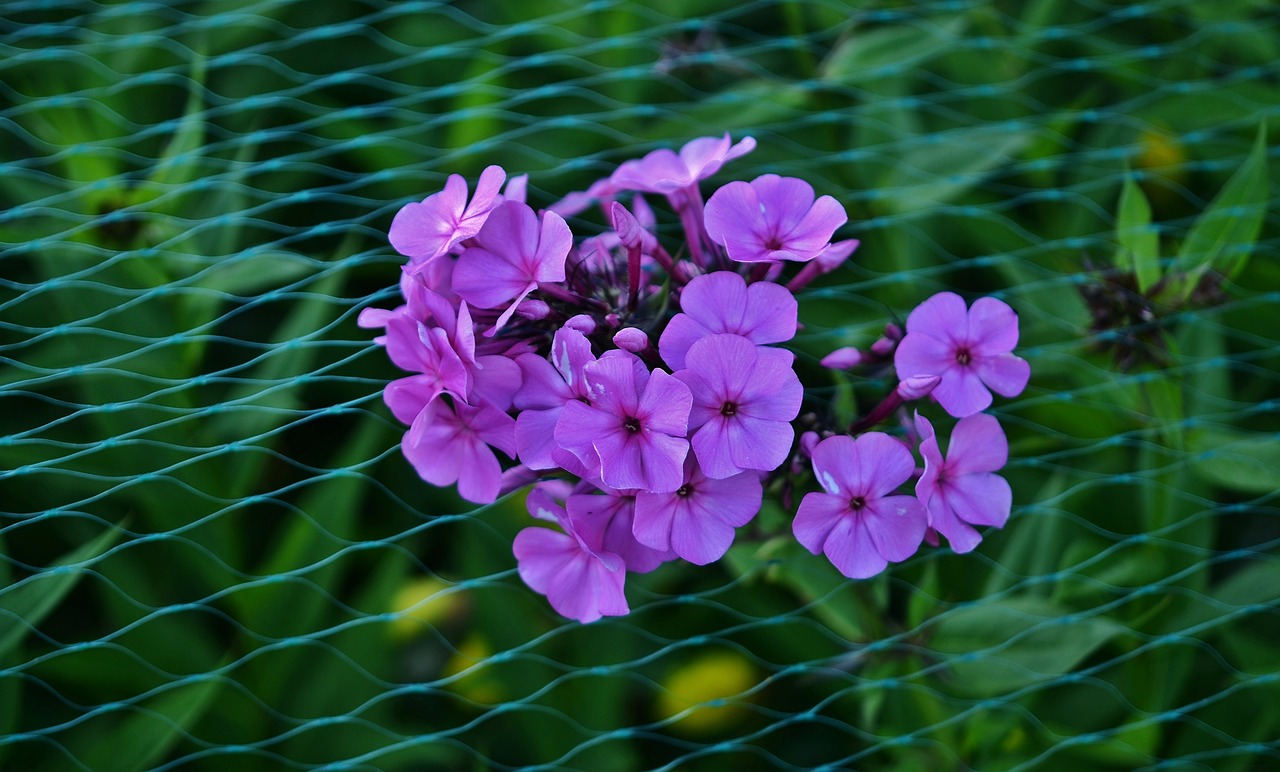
<point x="642" y="390"/>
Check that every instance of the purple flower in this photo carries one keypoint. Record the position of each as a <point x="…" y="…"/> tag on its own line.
<point x="859" y="526"/>
<point x="697" y="521"/>
<point x="425" y="231"/>
<point x="415" y="347"/>
<point x="662" y="171"/>
<point x="447" y="445"/>
<point x="547" y="386"/>
<point x="744" y="399"/>
<point x="773" y="218"/>
<point x="634" y="429"/>
<point x="962" y="491"/>
<point x="969" y="349"/>
<point x="580" y="579"/>
<point x="722" y="302"/>
<point x="609" y="519"/>
<point x="513" y="253"/>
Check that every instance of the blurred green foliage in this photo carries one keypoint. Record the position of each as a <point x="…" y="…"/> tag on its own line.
<point x="211" y="552"/>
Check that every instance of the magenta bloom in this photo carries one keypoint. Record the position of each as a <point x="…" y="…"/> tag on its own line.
<point x="962" y="491"/>
<point x="547" y="386"/>
<point x="969" y="349"/>
<point x="857" y="523"/>
<point x="447" y="445"/>
<point x="514" y="252"/>
<point x="609" y="519"/>
<point x="744" y="399"/>
<point x="697" y="521"/>
<point x="634" y="429"/>
<point x="580" y="579"/>
<point x="722" y="302"/>
<point x="662" y="171"/>
<point x="772" y="218"/>
<point x="427" y="230"/>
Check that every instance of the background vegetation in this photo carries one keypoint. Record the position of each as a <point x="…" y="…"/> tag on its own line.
<point x="212" y="552"/>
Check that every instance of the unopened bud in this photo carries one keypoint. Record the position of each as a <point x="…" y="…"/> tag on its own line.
<point x="582" y="323"/>
<point x="631" y="339"/>
<point x="808" y="441"/>
<point x="918" y="386"/>
<point x="884" y="347"/>
<point x="842" y="359"/>
<point x="532" y="308"/>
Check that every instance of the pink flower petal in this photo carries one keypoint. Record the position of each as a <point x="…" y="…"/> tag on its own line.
<point x="1005" y="374"/>
<point x="993" y="327"/>
<point x="896" y="525"/>
<point x="816" y="518"/>
<point x="851" y="550"/>
<point x="977" y="444"/>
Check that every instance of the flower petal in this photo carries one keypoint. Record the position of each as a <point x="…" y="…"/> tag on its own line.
<point x="977" y="444"/>
<point x="817" y="517"/>
<point x="1006" y="374"/>
<point x="897" y="525"/>
<point x="942" y="316"/>
<point x="851" y="550"/>
<point x="993" y="327"/>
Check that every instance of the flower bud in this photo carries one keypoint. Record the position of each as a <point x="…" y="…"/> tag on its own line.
<point x="631" y="339"/>
<point x="582" y="323"/>
<point x="532" y="308"/>
<point x="809" y="441"/>
<point x="842" y="359"/>
<point x="918" y="386"/>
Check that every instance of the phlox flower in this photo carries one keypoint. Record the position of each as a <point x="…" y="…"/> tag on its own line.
<point x="415" y="347"/>
<point x="697" y="520"/>
<point x="772" y="218"/>
<point x="722" y="302"/>
<point x="962" y="490"/>
<point x="580" y="578"/>
<point x="427" y="230"/>
<point x="857" y="522"/>
<point x="452" y="444"/>
<point x="547" y="386"/>
<point x="662" y="171"/>
<point x="634" y="429"/>
<point x="969" y="349"/>
<point x="514" y="252"/>
<point x="609" y="519"/>
<point x="744" y="399"/>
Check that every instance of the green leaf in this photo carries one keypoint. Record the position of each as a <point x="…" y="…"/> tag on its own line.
<point x="887" y="52"/>
<point x="180" y="162"/>
<point x="1241" y="461"/>
<point x="783" y="561"/>
<point x="25" y="604"/>
<point x="1139" y="251"/>
<point x="937" y="168"/>
<point x="1223" y="236"/>
<point x="145" y="736"/>
<point x="1007" y="644"/>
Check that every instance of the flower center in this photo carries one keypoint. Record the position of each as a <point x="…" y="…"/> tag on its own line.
<point x="728" y="409"/>
<point x="963" y="356"/>
<point x="684" y="491"/>
<point x="856" y="503"/>
<point x="632" y="424"/>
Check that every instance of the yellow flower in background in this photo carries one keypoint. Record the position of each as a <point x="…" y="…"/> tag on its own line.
<point x="711" y="687"/>
<point x="1162" y="155"/>
<point x="422" y="604"/>
<point x="480" y="684"/>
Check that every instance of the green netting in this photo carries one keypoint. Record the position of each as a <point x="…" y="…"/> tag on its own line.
<point x="214" y="553"/>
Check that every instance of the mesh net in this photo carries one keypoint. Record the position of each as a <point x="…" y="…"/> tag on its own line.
<point x="214" y="553"/>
